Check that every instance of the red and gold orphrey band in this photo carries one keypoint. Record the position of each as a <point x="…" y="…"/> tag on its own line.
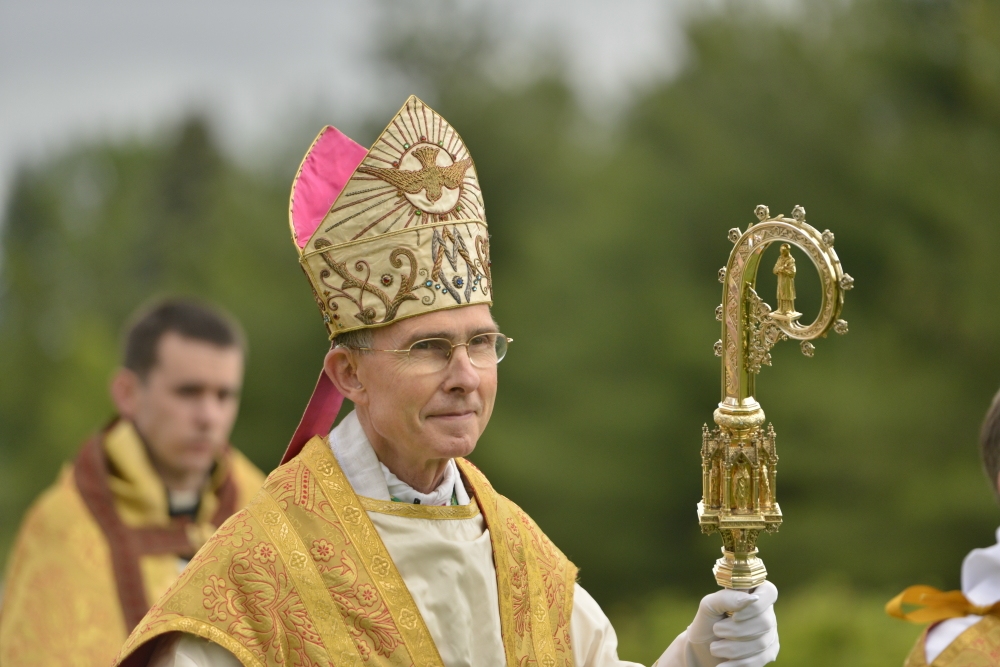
<point x="407" y="234"/>
<point x="302" y="577"/>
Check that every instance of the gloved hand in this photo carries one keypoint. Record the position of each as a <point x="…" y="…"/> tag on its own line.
<point x="747" y="638"/>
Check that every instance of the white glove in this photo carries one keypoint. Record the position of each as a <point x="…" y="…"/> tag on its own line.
<point x="747" y="638"/>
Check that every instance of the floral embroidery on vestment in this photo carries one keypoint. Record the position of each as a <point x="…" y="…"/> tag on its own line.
<point x="301" y="577"/>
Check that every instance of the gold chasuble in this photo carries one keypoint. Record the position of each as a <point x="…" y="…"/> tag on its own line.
<point x="979" y="646"/>
<point x="99" y="546"/>
<point x="301" y="577"/>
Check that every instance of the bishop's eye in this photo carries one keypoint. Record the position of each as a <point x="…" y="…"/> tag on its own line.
<point x="435" y="346"/>
<point x="482" y="340"/>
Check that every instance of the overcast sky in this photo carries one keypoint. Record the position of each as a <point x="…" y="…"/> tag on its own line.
<point x="87" y="69"/>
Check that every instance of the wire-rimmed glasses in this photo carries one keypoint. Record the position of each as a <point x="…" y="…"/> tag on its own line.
<point x="431" y="355"/>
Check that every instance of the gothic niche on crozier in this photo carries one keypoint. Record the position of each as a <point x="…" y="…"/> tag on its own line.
<point x="738" y="476"/>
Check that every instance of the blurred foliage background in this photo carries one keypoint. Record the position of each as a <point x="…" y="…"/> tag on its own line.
<point x="881" y="117"/>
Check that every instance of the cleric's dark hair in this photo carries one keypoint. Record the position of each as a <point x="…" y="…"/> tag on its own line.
<point x="185" y="317"/>
<point x="989" y="443"/>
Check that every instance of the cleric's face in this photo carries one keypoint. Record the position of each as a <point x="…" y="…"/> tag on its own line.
<point x="438" y="414"/>
<point x="186" y="406"/>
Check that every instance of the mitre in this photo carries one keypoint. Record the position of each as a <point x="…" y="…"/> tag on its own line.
<point x="395" y="231"/>
<point x="384" y="234"/>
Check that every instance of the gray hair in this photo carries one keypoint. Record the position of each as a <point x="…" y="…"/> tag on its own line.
<point x="356" y="339"/>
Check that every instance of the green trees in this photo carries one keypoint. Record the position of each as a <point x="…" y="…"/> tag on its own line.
<point x="98" y="231"/>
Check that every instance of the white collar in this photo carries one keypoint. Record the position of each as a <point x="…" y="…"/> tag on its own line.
<point x="370" y="478"/>
<point x="981" y="574"/>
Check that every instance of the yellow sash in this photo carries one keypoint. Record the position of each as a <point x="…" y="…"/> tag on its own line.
<point x="301" y="577"/>
<point x="934" y="605"/>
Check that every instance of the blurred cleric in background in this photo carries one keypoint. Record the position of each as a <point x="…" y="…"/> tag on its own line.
<point x="965" y="624"/>
<point x="378" y="543"/>
<point x="121" y="522"/>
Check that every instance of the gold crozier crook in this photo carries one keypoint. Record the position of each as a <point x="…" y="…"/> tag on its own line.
<point x="738" y="457"/>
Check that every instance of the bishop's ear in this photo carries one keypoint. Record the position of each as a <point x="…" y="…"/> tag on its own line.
<point x="341" y="367"/>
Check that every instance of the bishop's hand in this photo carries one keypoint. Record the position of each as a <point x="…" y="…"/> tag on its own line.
<point x="731" y="629"/>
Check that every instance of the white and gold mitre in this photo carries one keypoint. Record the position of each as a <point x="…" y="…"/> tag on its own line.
<point x="395" y="231"/>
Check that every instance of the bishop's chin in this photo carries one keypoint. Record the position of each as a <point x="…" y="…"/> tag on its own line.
<point x="452" y="444"/>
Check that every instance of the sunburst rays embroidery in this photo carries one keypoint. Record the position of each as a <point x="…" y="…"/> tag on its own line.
<point x="418" y="172"/>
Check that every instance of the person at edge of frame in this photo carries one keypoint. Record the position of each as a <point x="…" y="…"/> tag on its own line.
<point x="378" y="543"/>
<point x="120" y="523"/>
<point x="965" y="630"/>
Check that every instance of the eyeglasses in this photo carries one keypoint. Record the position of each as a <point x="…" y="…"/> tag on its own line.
<point x="431" y="355"/>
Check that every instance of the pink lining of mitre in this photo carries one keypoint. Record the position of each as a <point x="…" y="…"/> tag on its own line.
<point x="325" y="171"/>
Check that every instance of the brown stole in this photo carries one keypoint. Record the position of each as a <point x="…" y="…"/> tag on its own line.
<point x="127" y="544"/>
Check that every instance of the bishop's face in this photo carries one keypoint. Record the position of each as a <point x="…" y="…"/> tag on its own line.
<point x="427" y="415"/>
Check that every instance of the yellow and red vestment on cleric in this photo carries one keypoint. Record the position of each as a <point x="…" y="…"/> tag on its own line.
<point x="99" y="546"/>
<point x="302" y="577"/>
<point x="977" y="646"/>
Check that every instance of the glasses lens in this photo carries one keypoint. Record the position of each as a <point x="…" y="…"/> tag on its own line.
<point x="487" y="350"/>
<point x="431" y="353"/>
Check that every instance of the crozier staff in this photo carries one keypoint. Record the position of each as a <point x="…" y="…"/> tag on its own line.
<point x="115" y="530"/>
<point x="378" y="543"/>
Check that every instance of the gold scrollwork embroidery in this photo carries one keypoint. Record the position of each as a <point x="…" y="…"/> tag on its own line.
<point x="367" y="314"/>
<point x="532" y="577"/>
<point x="307" y="578"/>
<point x="385" y="576"/>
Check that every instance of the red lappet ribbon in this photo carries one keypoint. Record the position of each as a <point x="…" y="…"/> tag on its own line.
<point x="321" y="412"/>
